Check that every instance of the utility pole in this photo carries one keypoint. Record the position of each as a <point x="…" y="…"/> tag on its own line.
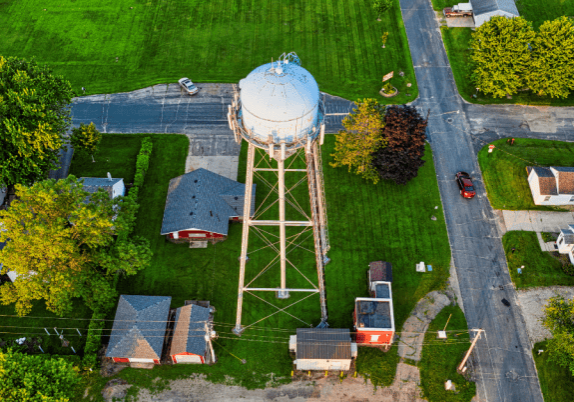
<point x="461" y="368"/>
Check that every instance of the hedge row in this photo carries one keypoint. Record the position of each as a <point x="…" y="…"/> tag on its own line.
<point x="129" y="207"/>
<point x="94" y="339"/>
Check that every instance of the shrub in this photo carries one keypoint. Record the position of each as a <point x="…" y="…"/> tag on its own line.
<point x="568" y="269"/>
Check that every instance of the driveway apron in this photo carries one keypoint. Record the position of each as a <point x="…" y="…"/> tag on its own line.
<point x="502" y="362"/>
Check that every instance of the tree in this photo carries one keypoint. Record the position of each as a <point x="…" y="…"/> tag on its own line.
<point x="36" y="378"/>
<point x="362" y="136"/>
<point x="34" y="117"/>
<point x="404" y="131"/>
<point x="85" y="139"/>
<point x="559" y="320"/>
<point x="62" y="247"/>
<point x="551" y="73"/>
<point x="501" y="55"/>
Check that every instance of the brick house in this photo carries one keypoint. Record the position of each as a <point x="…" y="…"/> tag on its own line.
<point x="200" y="205"/>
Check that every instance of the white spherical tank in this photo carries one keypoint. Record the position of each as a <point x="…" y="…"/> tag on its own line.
<point x="280" y="102"/>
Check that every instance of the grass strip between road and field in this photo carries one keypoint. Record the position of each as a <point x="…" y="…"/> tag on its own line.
<point x="504" y="170"/>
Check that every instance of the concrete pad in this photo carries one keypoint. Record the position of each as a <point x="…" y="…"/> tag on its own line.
<point x="226" y="166"/>
<point x="459" y="22"/>
<point x="532" y="303"/>
<point x="537" y="221"/>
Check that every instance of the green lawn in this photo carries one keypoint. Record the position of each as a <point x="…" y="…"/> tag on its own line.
<point x="439" y="5"/>
<point x="457" y="44"/>
<point x="366" y="222"/>
<point x="540" y="268"/>
<point x="556" y="382"/>
<point x="440" y="358"/>
<point x="504" y="170"/>
<point x="121" y="45"/>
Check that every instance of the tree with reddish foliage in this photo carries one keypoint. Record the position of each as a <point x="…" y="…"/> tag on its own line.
<point x="405" y="134"/>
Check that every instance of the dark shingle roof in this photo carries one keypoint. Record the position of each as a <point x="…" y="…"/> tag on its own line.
<point x="92" y="184"/>
<point x="382" y="291"/>
<point x="487" y="6"/>
<point x="568" y="234"/>
<point x="381" y="271"/>
<point x="203" y="200"/>
<point x="190" y="330"/>
<point x="373" y="314"/>
<point x="139" y="327"/>
<point x="323" y="343"/>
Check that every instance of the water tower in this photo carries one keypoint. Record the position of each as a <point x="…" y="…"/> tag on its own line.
<point x="278" y="110"/>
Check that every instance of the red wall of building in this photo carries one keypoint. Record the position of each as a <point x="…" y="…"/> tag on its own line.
<point x="184" y="234"/>
<point x="364" y="337"/>
<point x="126" y="360"/>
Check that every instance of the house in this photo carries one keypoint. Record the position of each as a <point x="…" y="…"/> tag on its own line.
<point x="192" y="335"/>
<point x="200" y="205"/>
<point x="114" y="187"/>
<point x="565" y="242"/>
<point x="373" y="317"/>
<point x="484" y="10"/>
<point x="323" y="349"/>
<point x="139" y="329"/>
<point x="551" y="185"/>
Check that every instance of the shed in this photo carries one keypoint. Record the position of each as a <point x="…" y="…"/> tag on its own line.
<point x="552" y="185"/>
<point x="323" y="349"/>
<point x="565" y="242"/>
<point x="200" y="205"/>
<point x="114" y="187"/>
<point x="484" y="10"/>
<point x="373" y="317"/>
<point x="139" y="329"/>
<point x="192" y="334"/>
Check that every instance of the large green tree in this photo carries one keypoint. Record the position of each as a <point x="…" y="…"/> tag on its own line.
<point x="36" y="378"/>
<point x="501" y="55"/>
<point x="34" y="116"/>
<point x="362" y="137"/>
<point x="552" y="70"/>
<point x="559" y="320"/>
<point x="62" y="247"/>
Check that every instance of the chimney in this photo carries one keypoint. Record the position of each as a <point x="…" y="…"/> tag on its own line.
<point x="109" y="176"/>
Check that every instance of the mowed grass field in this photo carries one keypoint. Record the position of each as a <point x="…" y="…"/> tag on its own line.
<point x="556" y="381"/>
<point x="504" y="170"/>
<point x="457" y="44"/>
<point x="121" y="45"/>
<point x="366" y="223"/>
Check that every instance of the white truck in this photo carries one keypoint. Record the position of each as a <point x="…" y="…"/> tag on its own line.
<point x="458" y="10"/>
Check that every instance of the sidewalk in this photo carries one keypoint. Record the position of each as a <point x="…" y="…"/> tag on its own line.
<point x="537" y="221"/>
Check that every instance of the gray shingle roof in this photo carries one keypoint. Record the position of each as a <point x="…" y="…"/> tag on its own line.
<point x="323" y="343"/>
<point x="203" y="200"/>
<point x="92" y="184"/>
<point x="190" y="330"/>
<point x="373" y="314"/>
<point x="139" y="327"/>
<point x="487" y="6"/>
<point x="568" y="234"/>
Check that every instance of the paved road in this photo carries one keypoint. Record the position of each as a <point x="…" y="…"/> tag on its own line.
<point x="502" y="361"/>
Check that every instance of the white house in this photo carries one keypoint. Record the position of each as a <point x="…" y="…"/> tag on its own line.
<point x="114" y="187"/>
<point x="484" y="10"/>
<point x="323" y="349"/>
<point x="551" y="185"/>
<point x="565" y="242"/>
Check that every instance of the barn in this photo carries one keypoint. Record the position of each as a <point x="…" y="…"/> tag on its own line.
<point x="484" y="10"/>
<point x="200" y="205"/>
<point x="192" y="334"/>
<point x="139" y="329"/>
<point x="323" y="349"/>
<point x="373" y="316"/>
<point x="114" y="187"/>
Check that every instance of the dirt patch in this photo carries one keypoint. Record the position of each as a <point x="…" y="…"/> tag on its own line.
<point x="532" y="303"/>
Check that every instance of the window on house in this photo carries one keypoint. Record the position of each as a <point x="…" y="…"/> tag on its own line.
<point x="547" y="198"/>
<point x="561" y="241"/>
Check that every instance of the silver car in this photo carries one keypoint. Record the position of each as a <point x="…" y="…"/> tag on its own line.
<point x="188" y="86"/>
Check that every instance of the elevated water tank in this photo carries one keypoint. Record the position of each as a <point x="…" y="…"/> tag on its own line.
<point x="280" y="101"/>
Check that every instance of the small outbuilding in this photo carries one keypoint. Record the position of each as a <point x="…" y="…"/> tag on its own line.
<point x="114" y="187"/>
<point x="484" y="10"/>
<point x="139" y="329"/>
<point x="323" y="349"/>
<point x="565" y="242"/>
<point x="200" y="205"/>
<point x="551" y="185"/>
<point x="192" y="335"/>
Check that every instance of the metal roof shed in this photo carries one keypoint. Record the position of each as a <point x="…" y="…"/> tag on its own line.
<point x="324" y="349"/>
<point x="484" y="10"/>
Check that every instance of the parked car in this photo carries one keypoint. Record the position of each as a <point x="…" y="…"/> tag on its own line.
<point x="465" y="184"/>
<point x="188" y="86"/>
<point x="458" y="10"/>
